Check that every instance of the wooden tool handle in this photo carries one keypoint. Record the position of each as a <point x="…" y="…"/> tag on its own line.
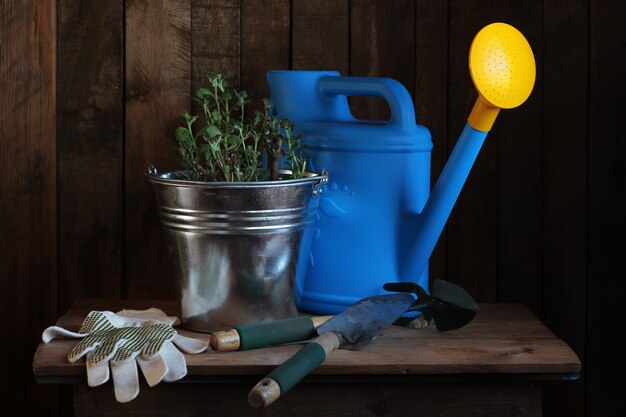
<point x="282" y="379"/>
<point x="260" y="335"/>
<point x="228" y="340"/>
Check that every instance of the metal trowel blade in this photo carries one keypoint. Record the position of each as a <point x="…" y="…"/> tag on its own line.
<point x="360" y="323"/>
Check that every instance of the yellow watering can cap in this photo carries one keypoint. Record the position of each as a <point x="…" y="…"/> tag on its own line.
<point x="502" y="65"/>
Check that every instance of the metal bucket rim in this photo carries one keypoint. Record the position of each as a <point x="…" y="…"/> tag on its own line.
<point x="310" y="177"/>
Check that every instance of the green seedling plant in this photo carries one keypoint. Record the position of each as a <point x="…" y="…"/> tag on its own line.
<point x="223" y="143"/>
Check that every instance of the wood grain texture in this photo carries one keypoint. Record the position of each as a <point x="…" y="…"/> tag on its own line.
<point x="427" y="357"/>
<point x="374" y="26"/>
<point x="320" y="35"/>
<point x="90" y="146"/>
<point x="158" y="84"/>
<point x="28" y="279"/>
<point x="574" y="159"/>
<point x="564" y="188"/>
<point x="502" y="339"/>
<point x="606" y="291"/>
<point x="519" y="159"/>
<point x="317" y="399"/>
<point x="431" y="98"/>
<point x="90" y="108"/>
<point x="490" y="314"/>
<point x="472" y="245"/>
<point x="265" y="39"/>
<point x="215" y="40"/>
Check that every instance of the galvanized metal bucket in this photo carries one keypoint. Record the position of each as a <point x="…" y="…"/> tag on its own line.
<point x="237" y="248"/>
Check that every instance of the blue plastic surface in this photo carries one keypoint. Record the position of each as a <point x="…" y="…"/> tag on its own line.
<point x="377" y="223"/>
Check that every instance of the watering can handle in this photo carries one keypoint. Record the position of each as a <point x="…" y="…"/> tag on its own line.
<point x="398" y="98"/>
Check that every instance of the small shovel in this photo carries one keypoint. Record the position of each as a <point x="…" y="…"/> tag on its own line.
<point x="451" y="308"/>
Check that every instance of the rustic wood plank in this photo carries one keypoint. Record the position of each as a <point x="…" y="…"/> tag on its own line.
<point x="320" y="35"/>
<point x="90" y="152"/>
<point x="317" y="399"/>
<point x="502" y="339"/>
<point x="158" y="84"/>
<point x="215" y="40"/>
<point x="564" y="188"/>
<point x="520" y="176"/>
<point x="394" y="353"/>
<point x="431" y="98"/>
<point x="488" y="313"/>
<point x="472" y="245"/>
<point x="90" y="127"/>
<point x="494" y="321"/>
<point x="265" y="42"/>
<point x="374" y="26"/>
<point x="28" y="197"/>
<point x="606" y="291"/>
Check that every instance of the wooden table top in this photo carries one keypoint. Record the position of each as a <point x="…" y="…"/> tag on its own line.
<point x="502" y="339"/>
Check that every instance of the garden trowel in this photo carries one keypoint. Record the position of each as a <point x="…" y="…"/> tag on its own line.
<point x="450" y="308"/>
<point x="451" y="304"/>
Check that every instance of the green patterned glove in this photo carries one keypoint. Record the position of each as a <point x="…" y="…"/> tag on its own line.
<point x="124" y="340"/>
<point x="107" y="342"/>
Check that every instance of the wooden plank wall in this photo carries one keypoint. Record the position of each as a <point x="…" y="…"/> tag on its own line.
<point x="28" y="195"/>
<point x="91" y="90"/>
<point x="606" y="200"/>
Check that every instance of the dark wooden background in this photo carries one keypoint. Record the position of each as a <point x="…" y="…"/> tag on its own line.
<point x="90" y="91"/>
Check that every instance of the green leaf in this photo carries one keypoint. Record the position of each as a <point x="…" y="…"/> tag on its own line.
<point x="204" y="149"/>
<point x="183" y="135"/>
<point x="212" y="131"/>
<point x="203" y="92"/>
<point x="185" y="117"/>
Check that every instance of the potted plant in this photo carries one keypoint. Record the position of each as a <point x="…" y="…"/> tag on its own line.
<point x="238" y="216"/>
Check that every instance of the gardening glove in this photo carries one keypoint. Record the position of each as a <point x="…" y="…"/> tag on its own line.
<point x="125" y="339"/>
<point x="170" y="365"/>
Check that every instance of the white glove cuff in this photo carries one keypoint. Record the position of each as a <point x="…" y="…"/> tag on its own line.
<point x="55" y="331"/>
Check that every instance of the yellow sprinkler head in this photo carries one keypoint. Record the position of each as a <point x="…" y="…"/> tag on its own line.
<point x="502" y="67"/>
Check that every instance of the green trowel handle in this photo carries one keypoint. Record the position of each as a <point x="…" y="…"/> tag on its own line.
<point x="254" y="336"/>
<point x="283" y="378"/>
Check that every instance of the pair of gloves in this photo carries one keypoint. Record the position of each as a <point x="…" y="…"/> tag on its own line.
<point x="124" y="340"/>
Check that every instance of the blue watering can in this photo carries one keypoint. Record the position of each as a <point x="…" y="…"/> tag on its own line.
<point x="379" y="222"/>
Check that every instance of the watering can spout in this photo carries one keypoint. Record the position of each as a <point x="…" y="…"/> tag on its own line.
<point x="444" y="194"/>
<point x="502" y="68"/>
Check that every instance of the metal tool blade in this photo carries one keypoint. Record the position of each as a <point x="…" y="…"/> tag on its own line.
<point x="448" y="305"/>
<point x="453" y="307"/>
<point x="360" y="323"/>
